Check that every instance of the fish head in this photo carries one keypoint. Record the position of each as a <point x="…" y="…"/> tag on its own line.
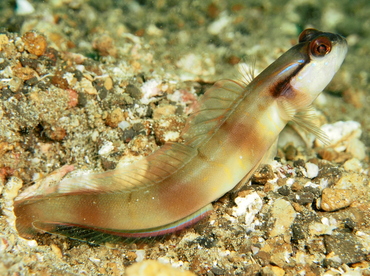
<point x="320" y="55"/>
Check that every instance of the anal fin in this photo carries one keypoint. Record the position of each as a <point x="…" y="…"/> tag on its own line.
<point x="101" y="235"/>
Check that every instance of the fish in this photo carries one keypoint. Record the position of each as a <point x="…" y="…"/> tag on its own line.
<point x="235" y="129"/>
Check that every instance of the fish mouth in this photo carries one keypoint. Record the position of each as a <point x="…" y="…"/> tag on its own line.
<point x="340" y="42"/>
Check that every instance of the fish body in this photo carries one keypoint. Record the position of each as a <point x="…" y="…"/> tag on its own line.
<point x="224" y="142"/>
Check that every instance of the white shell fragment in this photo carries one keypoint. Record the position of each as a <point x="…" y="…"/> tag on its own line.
<point x="249" y="206"/>
<point x="24" y="7"/>
<point x="106" y="148"/>
<point x="312" y="170"/>
<point x="344" y="136"/>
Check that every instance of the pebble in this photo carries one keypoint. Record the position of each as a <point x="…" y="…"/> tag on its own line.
<point x="133" y="91"/>
<point x="167" y="129"/>
<point x="56" y="133"/>
<point x="73" y="98"/>
<point x="108" y="83"/>
<point x="335" y="199"/>
<point x="349" y="249"/>
<point x="283" y="214"/>
<point x="25" y="73"/>
<point x="155" y="268"/>
<point x="87" y="87"/>
<point x="105" y="46"/>
<point x="263" y="175"/>
<point x="352" y="181"/>
<point x="353" y="165"/>
<point x="272" y="270"/>
<point x="34" y="43"/>
<point x="3" y="40"/>
<point x="114" y="118"/>
<point x="164" y="110"/>
<point x="56" y="250"/>
<point x="357" y="148"/>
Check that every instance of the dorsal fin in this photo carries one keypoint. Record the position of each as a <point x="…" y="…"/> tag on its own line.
<point x="141" y="174"/>
<point x="216" y="105"/>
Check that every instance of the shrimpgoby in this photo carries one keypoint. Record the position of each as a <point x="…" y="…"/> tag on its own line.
<point x="224" y="142"/>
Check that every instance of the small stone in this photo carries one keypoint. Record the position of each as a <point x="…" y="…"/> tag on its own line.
<point x="283" y="214"/>
<point x="271" y="270"/>
<point x="73" y="98"/>
<point x="56" y="133"/>
<point x="32" y="81"/>
<point x="59" y="81"/>
<point x="268" y="187"/>
<point x="335" y="199"/>
<point x="51" y="56"/>
<point x="284" y="190"/>
<point x="299" y="163"/>
<point x="357" y="149"/>
<point x="346" y="246"/>
<point x="353" y="182"/>
<point x="56" y="250"/>
<point x="3" y="40"/>
<point x="218" y="271"/>
<point x="134" y="92"/>
<point x="263" y="175"/>
<point x="280" y="251"/>
<point x="296" y="186"/>
<point x="304" y="197"/>
<point x="168" y="129"/>
<point x="87" y="87"/>
<point x="298" y="232"/>
<point x="108" y="83"/>
<point x="290" y="152"/>
<point x="164" y="110"/>
<point x="154" y="268"/>
<point x="34" y="43"/>
<point x="25" y="73"/>
<point x="82" y="100"/>
<point x="263" y="257"/>
<point x="131" y="255"/>
<point x="105" y="46"/>
<point x="281" y="182"/>
<point x="353" y="165"/>
<point x="328" y="154"/>
<point x="114" y="118"/>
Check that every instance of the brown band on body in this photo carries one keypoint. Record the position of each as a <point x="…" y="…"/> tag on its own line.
<point x="283" y="87"/>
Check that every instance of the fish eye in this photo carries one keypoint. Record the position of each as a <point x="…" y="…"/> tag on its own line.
<point x="320" y="46"/>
